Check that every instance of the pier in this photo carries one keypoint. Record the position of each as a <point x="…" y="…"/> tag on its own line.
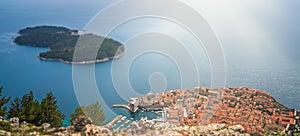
<point x="111" y="123"/>
<point x="132" y="106"/>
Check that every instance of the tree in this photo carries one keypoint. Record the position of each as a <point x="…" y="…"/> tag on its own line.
<point x="30" y="109"/>
<point x="92" y="111"/>
<point x="50" y="112"/>
<point x="15" y="108"/>
<point x="3" y="101"/>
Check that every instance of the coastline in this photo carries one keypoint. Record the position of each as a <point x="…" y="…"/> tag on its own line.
<point x="235" y="105"/>
<point x="83" y="62"/>
<point x="65" y="40"/>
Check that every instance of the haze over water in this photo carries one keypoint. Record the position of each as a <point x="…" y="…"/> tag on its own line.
<point x="260" y="42"/>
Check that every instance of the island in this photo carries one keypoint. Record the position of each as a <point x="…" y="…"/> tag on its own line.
<point x="62" y="41"/>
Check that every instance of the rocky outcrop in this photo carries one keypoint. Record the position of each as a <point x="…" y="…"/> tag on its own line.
<point x="80" y="122"/>
<point x="14" y="121"/>
<point x="237" y="128"/>
<point x="46" y="127"/>
<point x="92" y="130"/>
<point x="5" y="133"/>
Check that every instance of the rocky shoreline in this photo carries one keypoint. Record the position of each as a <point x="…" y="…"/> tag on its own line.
<point x="82" y="62"/>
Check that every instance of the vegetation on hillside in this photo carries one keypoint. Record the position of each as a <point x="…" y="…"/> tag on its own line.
<point x="92" y="111"/>
<point x="62" y="41"/>
<point x="3" y="101"/>
<point x="34" y="112"/>
<point x="49" y="111"/>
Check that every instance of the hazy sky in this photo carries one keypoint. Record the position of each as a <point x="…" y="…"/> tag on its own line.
<point x="267" y="30"/>
<point x="250" y="31"/>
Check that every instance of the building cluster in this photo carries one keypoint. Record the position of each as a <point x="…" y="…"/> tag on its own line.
<point x="255" y="110"/>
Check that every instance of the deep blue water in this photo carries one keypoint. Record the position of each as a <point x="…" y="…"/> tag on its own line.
<point x="274" y="68"/>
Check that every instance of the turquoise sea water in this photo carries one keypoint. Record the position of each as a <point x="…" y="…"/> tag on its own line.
<point x="21" y="70"/>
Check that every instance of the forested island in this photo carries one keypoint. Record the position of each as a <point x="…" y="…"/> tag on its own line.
<point x="61" y="42"/>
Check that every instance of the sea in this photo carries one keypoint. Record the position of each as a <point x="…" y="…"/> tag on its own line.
<point x="260" y="44"/>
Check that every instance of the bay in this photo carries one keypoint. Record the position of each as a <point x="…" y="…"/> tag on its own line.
<point x="21" y="71"/>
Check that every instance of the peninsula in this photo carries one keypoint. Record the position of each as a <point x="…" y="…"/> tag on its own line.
<point x="255" y="111"/>
<point x="62" y="41"/>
